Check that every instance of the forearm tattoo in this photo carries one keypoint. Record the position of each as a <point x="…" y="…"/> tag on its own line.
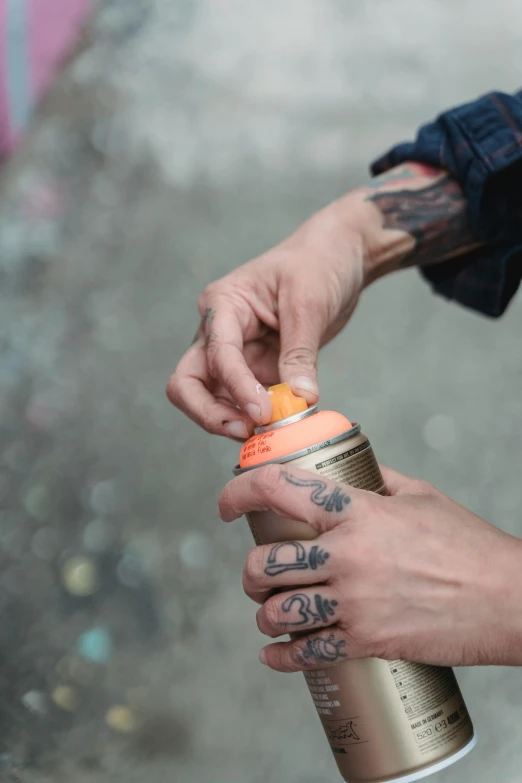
<point x="292" y="556"/>
<point x="321" y="612"/>
<point x="330" y="501"/>
<point x="323" y="649"/>
<point x="435" y="216"/>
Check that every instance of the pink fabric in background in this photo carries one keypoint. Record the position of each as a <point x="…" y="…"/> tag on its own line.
<point x="5" y="127"/>
<point x="35" y="36"/>
<point x="53" y="26"/>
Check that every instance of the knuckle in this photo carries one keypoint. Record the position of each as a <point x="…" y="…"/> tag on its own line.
<point x="265" y="480"/>
<point x="290" y="657"/>
<point x="301" y="298"/>
<point x="357" y="642"/>
<point x="369" y="645"/>
<point x="204" y="297"/>
<point x="421" y="487"/>
<point x="270" y="616"/>
<point x="212" y="345"/>
<point x="232" y="377"/>
<point x="307" y="302"/>
<point x="351" y="562"/>
<point x="363" y="639"/>
<point x="375" y="648"/>
<point x="207" y="422"/>
<point x="253" y="567"/>
<point x="212" y="348"/>
<point x="299" y="357"/>
<point x="172" y="390"/>
<point x="225" y="502"/>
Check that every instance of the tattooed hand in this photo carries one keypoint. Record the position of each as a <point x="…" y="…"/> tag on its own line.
<point x="411" y="576"/>
<point x="265" y="322"/>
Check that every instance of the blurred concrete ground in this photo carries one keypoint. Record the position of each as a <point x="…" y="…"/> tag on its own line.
<point x="185" y="138"/>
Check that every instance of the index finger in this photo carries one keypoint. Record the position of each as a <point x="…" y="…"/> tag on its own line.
<point x="224" y="340"/>
<point x="290" y="492"/>
<point x="188" y="390"/>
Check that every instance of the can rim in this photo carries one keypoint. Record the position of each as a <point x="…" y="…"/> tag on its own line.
<point x="438" y="765"/>
<point x="355" y="430"/>
<point x="275" y="425"/>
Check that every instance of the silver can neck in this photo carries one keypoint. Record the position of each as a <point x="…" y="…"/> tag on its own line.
<point x="276" y="425"/>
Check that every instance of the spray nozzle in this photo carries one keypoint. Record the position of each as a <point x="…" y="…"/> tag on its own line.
<point x="284" y="402"/>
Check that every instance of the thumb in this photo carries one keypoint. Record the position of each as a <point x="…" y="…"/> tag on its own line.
<point x="300" y="336"/>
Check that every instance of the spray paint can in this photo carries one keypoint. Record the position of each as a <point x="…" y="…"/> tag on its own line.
<point x="385" y="721"/>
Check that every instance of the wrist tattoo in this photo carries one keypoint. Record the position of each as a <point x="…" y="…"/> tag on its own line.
<point x="330" y="501"/>
<point x="435" y="216"/>
<point x="323" y="609"/>
<point x="323" y="649"/>
<point x="295" y="557"/>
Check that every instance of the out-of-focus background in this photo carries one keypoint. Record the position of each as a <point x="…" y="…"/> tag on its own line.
<point x="181" y="139"/>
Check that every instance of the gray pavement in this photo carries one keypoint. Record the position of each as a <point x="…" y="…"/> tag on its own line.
<point x="183" y="139"/>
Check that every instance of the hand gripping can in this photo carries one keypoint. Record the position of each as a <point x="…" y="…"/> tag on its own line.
<point x="385" y="720"/>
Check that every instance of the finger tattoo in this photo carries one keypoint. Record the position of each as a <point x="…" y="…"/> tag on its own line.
<point x="330" y="501"/>
<point x="208" y="319"/>
<point x="292" y="556"/>
<point x="323" y="649"/>
<point x="323" y="609"/>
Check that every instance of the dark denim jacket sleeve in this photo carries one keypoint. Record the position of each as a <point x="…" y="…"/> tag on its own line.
<point x="480" y="144"/>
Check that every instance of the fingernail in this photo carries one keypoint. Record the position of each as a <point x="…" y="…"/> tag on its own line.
<point x="253" y="410"/>
<point x="304" y="383"/>
<point x="263" y="658"/>
<point x="237" y="429"/>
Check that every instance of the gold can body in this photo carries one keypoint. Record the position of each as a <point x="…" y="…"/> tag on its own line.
<point x="384" y="720"/>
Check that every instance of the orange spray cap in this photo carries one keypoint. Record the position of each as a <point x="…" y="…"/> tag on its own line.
<point x="274" y="443"/>
<point x="284" y="402"/>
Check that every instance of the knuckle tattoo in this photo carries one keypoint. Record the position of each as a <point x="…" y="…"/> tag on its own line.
<point x="329" y="648"/>
<point x="292" y="556"/>
<point x="310" y="610"/>
<point x="336" y="500"/>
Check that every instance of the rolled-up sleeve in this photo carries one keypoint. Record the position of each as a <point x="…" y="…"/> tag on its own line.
<point x="480" y="145"/>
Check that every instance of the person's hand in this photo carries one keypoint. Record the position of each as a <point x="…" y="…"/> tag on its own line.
<point x="413" y="576"/>
<point x="265" y="322"/>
